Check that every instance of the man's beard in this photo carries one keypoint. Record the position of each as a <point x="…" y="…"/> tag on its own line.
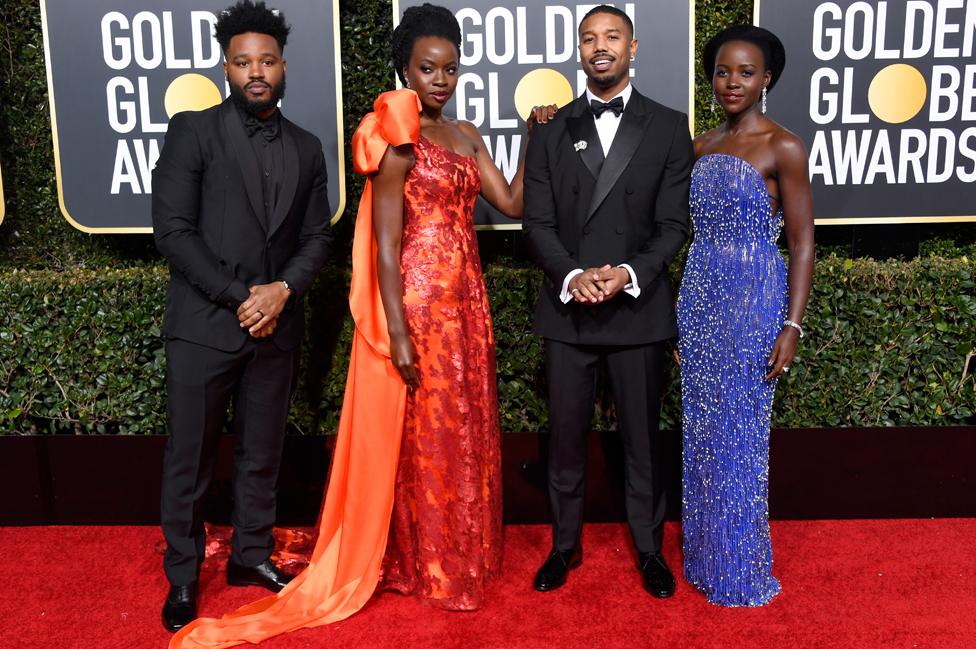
<point x="239" y="97"/>
<point x="607" y="81"/>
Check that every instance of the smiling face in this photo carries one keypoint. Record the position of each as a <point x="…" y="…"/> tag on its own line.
<point x="740" y="75"/>
<point x="433" y="70"/>
<point x="255" y="71"/>
<point x="606" y="47"/>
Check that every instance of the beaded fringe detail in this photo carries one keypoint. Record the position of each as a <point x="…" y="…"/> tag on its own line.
<point x="730" y="309"/>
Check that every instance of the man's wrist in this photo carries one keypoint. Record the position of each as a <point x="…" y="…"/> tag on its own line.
<point x="287" y="286"/>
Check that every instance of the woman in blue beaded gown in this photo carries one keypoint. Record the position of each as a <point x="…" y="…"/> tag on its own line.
<point x="739" y="317"/>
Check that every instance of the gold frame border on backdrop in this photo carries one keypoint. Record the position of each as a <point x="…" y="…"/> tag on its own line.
<point x="340" y="139"/>
<point x="3" y="202"/>
<point x="691" y="93"/>
<point x="869" y="220"/>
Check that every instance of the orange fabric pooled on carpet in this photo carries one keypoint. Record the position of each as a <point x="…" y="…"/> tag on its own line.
<point x="355" y="518"/>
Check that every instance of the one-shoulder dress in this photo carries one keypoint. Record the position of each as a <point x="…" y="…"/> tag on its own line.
<point x="446" y="536"/>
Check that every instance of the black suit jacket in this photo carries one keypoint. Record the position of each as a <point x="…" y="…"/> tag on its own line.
<point x="207" y="207"/>
<point x="582" y="211"/>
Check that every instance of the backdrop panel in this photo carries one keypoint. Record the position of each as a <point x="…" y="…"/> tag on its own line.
<point x="117" y="72"/>
<point x="517" y="54"/>
<point x="884" y="95"/>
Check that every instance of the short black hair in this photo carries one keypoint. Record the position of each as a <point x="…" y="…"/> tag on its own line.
<point x="247" y="16"/>
<point x="774" y="54"/>
<point x="613" y="11"/>
<point x="417" y="22"/>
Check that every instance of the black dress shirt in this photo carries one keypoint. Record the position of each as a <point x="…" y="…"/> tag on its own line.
<point x="269" y="154"/>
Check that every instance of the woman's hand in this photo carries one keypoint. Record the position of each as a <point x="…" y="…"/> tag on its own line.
<point x="784" y="351"/>
<point x="540" y="114"/>
<point x="404" y="358"/>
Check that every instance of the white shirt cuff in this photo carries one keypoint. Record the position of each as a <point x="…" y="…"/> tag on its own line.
<point x="565" y="295"/>
<point x="633" y="288"/>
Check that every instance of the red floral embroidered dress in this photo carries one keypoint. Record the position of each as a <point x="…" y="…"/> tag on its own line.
<point x="446" y="535"/>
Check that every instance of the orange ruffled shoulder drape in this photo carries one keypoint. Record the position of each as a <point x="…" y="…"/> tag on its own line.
<point x="355" y="520"/>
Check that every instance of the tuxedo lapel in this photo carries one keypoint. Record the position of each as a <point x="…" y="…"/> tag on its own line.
<point x="290" y="181"/>
<point x="630" y="133"/>
<point x="245" y="159"/>
<point x="585" y="139"/>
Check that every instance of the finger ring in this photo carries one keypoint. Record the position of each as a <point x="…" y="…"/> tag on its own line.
<point x="786" y="368"/>
<point x="261" y="313"/>
<point x="575" y="290"/>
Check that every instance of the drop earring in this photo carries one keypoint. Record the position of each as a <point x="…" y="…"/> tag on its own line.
<point x="714" y="104"/>
<point x="762" y="105"/>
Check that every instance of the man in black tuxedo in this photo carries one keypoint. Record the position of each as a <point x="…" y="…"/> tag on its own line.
<point x="606" y="209"/>
<point x="241" y="212"/>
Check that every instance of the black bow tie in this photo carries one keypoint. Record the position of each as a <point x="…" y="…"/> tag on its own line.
<point x="268" y="127"/>
<point x="599" y="107"/>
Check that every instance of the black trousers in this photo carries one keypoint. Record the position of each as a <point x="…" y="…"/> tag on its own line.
<point x="200" y="384"/>
<point x="636" y="378"/>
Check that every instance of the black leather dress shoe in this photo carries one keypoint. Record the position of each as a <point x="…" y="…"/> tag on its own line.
<point x="181" y="606"/>
<point x="655" y="574"/>
<point x="553" y="572"/>
<point x="265" y="574"/>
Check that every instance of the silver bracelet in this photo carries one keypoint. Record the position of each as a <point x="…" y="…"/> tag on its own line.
<point x="790" y="323"/>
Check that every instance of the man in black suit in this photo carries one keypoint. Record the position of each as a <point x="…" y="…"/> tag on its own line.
<point x="241" y="212"/>
<point x="606" y="209"/>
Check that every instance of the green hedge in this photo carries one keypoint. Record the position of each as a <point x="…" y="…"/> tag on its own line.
<point x="80" y="349"/>
<point x="81" y="352"/>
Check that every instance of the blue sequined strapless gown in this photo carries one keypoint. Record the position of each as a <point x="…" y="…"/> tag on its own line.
<point x="731" y="307"/>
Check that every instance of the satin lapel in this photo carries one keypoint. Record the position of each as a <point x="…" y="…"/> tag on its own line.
<point x="582" y="129"/>
<point x="245" y="159"/>
<point x="290" y="182"/>
<point x="630" y="133"/>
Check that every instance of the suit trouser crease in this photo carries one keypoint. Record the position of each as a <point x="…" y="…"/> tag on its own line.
<point x="260" y="414"/>
<point x="201" y="382"/>
<point x="636" y="376"/>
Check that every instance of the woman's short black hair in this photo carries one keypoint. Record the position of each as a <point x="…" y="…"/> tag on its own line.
<point x="417" y="22"/>
<point x="767" y="42"/>
<point x="247" y="16"/>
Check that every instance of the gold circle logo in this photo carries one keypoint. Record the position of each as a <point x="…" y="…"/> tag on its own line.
<point x="541" y="87"/>
<point x="897" y="93"/>
<point x="191" y="91"/>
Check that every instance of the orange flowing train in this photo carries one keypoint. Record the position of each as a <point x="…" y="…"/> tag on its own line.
<point x="446" y="527"/>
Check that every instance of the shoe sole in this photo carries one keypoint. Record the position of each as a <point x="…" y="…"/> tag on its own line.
<point x="253" y="582"/>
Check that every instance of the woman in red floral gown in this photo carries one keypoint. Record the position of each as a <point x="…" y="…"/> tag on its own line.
<point x="446" y="533"/>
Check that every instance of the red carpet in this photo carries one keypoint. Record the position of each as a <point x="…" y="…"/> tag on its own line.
<point x="846" y="584"/>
